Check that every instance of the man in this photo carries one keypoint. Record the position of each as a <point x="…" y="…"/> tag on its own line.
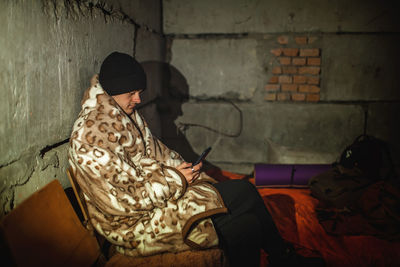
<point x="143" y="197"/>
<point x="136" y="189"/>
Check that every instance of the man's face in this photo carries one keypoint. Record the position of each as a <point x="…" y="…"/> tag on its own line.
<point x="128" y="101"/>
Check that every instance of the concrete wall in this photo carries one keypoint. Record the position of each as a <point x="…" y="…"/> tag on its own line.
<point x="226" y="51"/>
<point x="49" y="51"/>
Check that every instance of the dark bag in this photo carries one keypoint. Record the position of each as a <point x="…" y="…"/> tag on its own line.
<point x="371" y="156"/>
<point x="364" y="162"/>
<point x="360" y="194"/>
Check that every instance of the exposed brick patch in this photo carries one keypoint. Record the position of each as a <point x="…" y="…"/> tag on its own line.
<point x="312" y="39"/>
<point x="283" y="40"/>
<point x="270" y="97"/>
<point x="296" y="70"/>
<point x="276" y="52"/>
<point x="285" y="60"/>
<point x="289" y="70"/>
<point x="309" y="52"/>
<point x="314" y="61"/>
<point x="272" y="87"/>
<point x="300" y="79"/>
<point x="313" y="80"/>
<point x="298" y="97"/>
<point x="273" y="79"/>
<point x="277" y="70"/>
<point x="290" y="52"/>
<point x="299" y="61"/>
<point x="312" y="97"/>
<point x="309" y="89"/>
<point x="285" y="79"/>
<point x="309" y="70"/>
<point x="301" y="40"/>
<point x="289" y="87"/>
<point x="283" y="96"/>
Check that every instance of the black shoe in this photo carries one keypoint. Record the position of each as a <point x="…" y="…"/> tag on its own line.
<point x="296" y="260"/>
<point x="291" y="258"/>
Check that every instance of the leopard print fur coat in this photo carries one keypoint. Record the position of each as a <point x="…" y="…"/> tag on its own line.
<point x="136" y="198"/>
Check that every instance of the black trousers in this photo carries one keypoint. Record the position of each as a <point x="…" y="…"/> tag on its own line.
<point x="247" y="227"/>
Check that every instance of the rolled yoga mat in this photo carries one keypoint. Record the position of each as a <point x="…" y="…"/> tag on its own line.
<point x="287" y="175"/>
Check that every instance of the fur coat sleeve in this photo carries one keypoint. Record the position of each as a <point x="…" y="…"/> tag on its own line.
<point x="124" y="164"/>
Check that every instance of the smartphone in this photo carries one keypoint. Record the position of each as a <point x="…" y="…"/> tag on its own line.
<point x="202" y="156"/>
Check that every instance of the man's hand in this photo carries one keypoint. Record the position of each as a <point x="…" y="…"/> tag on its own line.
<point x="190" y="172"/>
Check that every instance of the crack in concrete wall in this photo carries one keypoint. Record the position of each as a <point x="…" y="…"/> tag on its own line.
<point x="17" y="173"/>
<point x="13" y="188"/>
<point x="9" y="163"/>
<point x="184" y="126"/>
<point x="35" y="169"/>
<point x="48" y="148"/>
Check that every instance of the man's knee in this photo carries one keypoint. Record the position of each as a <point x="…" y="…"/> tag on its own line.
<point x="243" y="185"/>
<point x="247" y="188"/>
<point x="239" y="195"/>
<point x="248" y="185"/>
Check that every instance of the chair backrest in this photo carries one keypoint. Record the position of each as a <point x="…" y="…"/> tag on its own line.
<point x="78" y="195"/>
<point x="103" y="243"/>
<point x="44" y="230"/>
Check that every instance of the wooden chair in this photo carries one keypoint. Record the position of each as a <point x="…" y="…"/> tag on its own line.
<point x="44" y="230"/>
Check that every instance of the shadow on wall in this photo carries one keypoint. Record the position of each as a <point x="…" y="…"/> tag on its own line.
<point x="173" y="93"/>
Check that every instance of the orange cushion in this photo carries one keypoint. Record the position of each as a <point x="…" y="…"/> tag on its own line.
<point x="44" y="230"/>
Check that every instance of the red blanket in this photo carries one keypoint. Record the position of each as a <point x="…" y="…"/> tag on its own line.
<point x="293" y="211"/>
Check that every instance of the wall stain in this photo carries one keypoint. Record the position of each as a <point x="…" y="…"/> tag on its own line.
<point x="73" y="9"/>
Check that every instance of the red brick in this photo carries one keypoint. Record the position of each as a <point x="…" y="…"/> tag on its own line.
<point x="290" y="52"/>
<point x="309" y="70"/>
<point x="283" y="39"/>
<point x="298" y="97"/>
<point x="309" y="52"/>
<point x="313" y="97"/>
<point x="315" y="89"/>
<point x="309" y="89"/>
<point x="299" y="61"/>
<point x="313" y="80"/>
<point x="314" y="61"/>
<point x="304" y="88"/>
<point x="273" y="79"/>
<point x="289" y="87"/>
<point x="283" y="96"/>
<point x="277" y="52"/>
<point x="289" y="70"/>
<point x="299" y="79"/>
<point x="285" y="79"/>
<point x="312" y="39"/>
<point x="270" y="97"/>
<point x="277" y="70"/>
<point x="272" y="87"/>
<point x="285" y="60"/>
<point x="301" y="40"/>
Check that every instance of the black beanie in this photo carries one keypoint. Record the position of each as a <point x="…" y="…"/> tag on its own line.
<point x="120" y="73"/>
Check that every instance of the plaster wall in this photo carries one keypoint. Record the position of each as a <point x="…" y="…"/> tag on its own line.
<point x="224" y="51"/>
<point x="49" y="51"/>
